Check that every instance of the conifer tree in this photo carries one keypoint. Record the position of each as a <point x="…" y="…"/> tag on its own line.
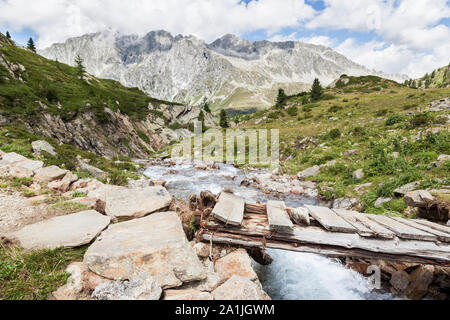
<point x="281" y="99"/>
<point x="206" y="108"/>
<point x="8" y="35"/>
<point x="31" y="45"/>
<point x="223" y="119"/>
<point x="81" y="70"/>
<point x="316" y="91"/>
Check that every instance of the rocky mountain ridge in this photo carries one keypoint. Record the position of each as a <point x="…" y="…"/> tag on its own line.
<point x="229" y="73"/>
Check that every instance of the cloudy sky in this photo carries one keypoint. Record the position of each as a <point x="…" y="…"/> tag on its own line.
<point x="395" y="36"/>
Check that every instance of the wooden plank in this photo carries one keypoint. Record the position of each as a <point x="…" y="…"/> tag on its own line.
<point x="442" y="236"/>
<point x="352" y="218"/>
<point x="402" y="230"/>
<point x="279" y="219"/>
<point x="435" y="226"/>
<point x="330" y="220"/>
<point x="379" y="230"/>
<point x="229" y="209"/>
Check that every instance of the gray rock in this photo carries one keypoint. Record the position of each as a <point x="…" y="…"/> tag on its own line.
<point x="406" y="188"/>
<point x="346" y="203"/>
<point x="155" y="244"/>
<point x="69" y="231"/>
<point x="358" y="174"/>
<point x="239" y="288"/>
<point x="350" y="152"/>
<point x="418" y="198"/>
<point x="41" y="145"/>
<point x="310" y="172"/>
<point x="381" y="201"/>
<point x="143" y="287"/>
<point x="49" y="174"/>
<point x="301" y="216"/>
<point x="96" y="172"/>
<point x="136" y="203"/>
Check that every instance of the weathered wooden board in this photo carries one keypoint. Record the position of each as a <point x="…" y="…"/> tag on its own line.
<point x="442" y="236"/>
<point x="433" y="225"/>
<point x="378" y="229"/>
<point x="229" y="209"/>
<point x="330" y="220"/>
<point x="402" y="230"/>
<point x="352" y="217"/>
<point x="279" y="219"/>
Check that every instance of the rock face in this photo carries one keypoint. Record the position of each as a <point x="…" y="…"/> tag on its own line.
<point x="143" y="287"/>
<point x="239" y="288"/>
<point x="155" y="244"/>
<point x="236" y="263"/>
<point x="125" y="204"/>
<point x="186" y="69"/>
<point x="310" y="172"/>
<point x="66" y="231"/>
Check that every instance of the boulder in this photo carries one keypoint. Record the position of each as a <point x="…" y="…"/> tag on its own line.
<point x="142" y="287"/>
<point x="100" y="191"/>
<point x="239" y="288"/>
<point x="421" y="279"/>
<point x="12" y="157"/>
<point x="350" y="153"/>
<point x="211" y="282"/>
<point x="418" y="198"/>
<point x="358" y="174"/>
<point x="202" y="250"/>
<point x="96" y="172"/>
<point x="63" y="184"/>
<point x="238" y="263"/>
<point x="31" y="165"/>
<point x="310" y="172"/>
<point x="346" y="203"/>
<point x="73" y="289"/>
<point x="68" y="231"/>
<point x="20" y="172"/>
<point x="187" y="294"/>
<point x="155" y="244"/>
<point x="380" y="201"/>
<point x="41" y="145"/>
<point x="406" y="188"/>
<point x="49" y="174"/>
<point x="126" y="204"/>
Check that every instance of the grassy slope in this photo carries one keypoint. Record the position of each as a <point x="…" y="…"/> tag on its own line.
<point x="57" y="86"/>
<point x="372" y="119"/>
<point x="440" y="78"/>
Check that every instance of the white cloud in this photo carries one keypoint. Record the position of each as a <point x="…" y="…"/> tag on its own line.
<point x="56" y="20"/>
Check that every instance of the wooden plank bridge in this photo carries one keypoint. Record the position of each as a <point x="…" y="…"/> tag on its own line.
<point x="334" y="233"/>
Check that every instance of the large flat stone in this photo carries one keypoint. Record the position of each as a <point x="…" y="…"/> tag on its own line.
<point x="32" y="165"/>
<point x="126" y="204"/>
<point x="69" y="231"/>
<point x="155" y="244"/>
<point x="229" y="209"/>
<point x="49" y="174"/>
<point x="279" y="219"/>
<point x="239" y="288"/>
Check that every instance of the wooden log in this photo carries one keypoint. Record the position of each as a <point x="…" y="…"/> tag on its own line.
<point x="279" y="219"/>
<point x="229" y="209"/>
<point x="330" y="220"/>
<point x="402" y="230"/>
<point x="255" y="208"/>
<point x="254" y="242"/>
<point x="442" y="236"/>
<point x="352" y="218"/>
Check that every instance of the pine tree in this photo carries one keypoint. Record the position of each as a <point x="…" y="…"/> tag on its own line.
<point x="31" y="45"/>
<point x="206" y="108"/>
<point x="433" y="74"/>
<point x="316" y="91"/>
<point x="8" y="35"/>
<point x="201" y="118"/>
<point x="281" y="99"/>
<point x="81" y="70"/>
<point x="223" y="119"/>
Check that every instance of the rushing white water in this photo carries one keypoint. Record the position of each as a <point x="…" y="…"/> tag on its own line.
<point x="292" y="275"/>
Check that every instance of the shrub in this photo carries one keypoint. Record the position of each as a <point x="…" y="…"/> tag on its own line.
<point x="396" y="118"/>
<point x="381" y="113"/>
<point x="421" y="119"/>
<point x="333" y="134"/>
<point x="334" y="109"/>
<point x="273" y="115"/>
<point x="292" y="111"/>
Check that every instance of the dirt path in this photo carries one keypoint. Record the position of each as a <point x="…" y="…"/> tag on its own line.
<point x="16" y="211"/>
